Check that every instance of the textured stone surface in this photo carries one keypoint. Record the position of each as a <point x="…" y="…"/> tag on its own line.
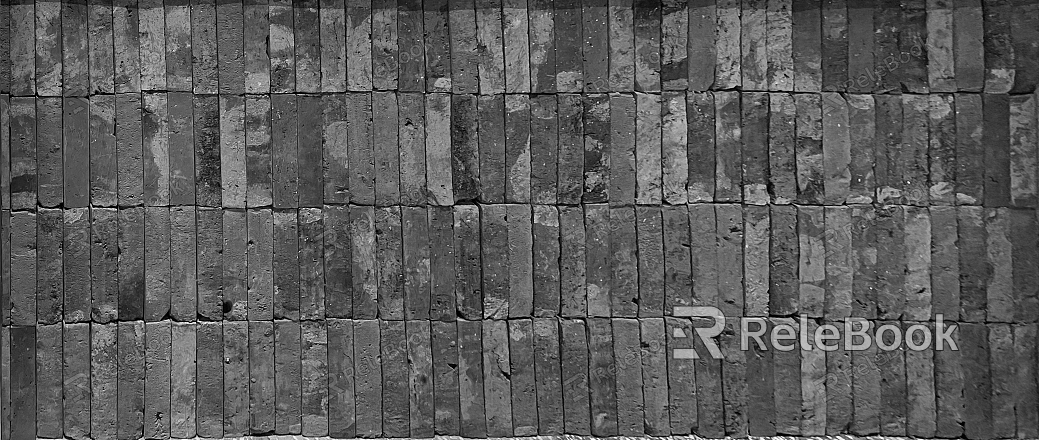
<point x="367" y="378"/>
<point x="839" y="256"/>
<point x="701" y="151"/>
<point x="236" y="378"/>
<point x="157" y="379"/>
<point x="649" y="229"/>
<point x="807" y="45"/>
<point x="49" y="286"/>
<point x="23" y="382"/>
<point x="495" y="257"/>
<point x="572" y="263"/>
<point x="786" y="379"/>
<point x="394" y="388"/>
<point x="48" y="405"/>
<point x="473" y="422"/>
<point x="753" y="42"/>
<point x="517" y="200"/>
<point x="949" y="386"/>
<point x="524" y="378"/>
<point x="545" y="231"/>
<point x="942" y="149"/>
<point x="628" y="355"/>
<point x="602" y="377"/>
<point x="209" y="382"/>
<point x="261" y="377"/>
<point x="996" y="141"/>
<point x="438" y="54"/>
<point x="678" y="278"/>
<point x="385" y="109"/>
<point x="681" y="377"/>
<point x="754" y="130"/>
<point x="314" y="370"/>
<point x="784" y="245"/>
<point x="49" y="172"/>
<point x="761" y="387"/>
<point x="811" y="270"/>
<point x="104" y="269"/>
<point x="813" y="385"/>
<point x="341" y="395"/>
<point x="597" y="148"/>
<point x="389" y="255"/>
<point x="728" y="157"/>
<point x="257" y="152"/>
<point x="548" y="375"/>
<point x="574" y="356"/>
<point x="497" y="378"/>
<point x="75" y="370"/>
<point x="421" y="379"/>
<point x="442" y="261"/>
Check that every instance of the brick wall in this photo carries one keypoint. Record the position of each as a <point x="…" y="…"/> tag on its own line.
<point x="379" y="218"/>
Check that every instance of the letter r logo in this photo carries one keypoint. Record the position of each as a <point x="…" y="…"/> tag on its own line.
<point x="706" y="334"/>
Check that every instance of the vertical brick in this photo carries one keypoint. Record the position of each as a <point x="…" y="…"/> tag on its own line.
<point x="862" y="132"/>
<point x="307" y="49"/>
<point x="259" y="191"/>
<point x="446" y="399"/>
<point x="521" y="260"/>
<point x="260" y="251"/>
<point x="421" y="379"/>
<point x="702" y="45"/>
<point x="183" y="380"/>
<point x="571" y="149"/>
<point x="412" y="137"/>
<point x="471" y="379"/>
<point x="23" y="384"/>
<point x="621" y="59"/>
<point x="234" y="262"/>
<point x="287" y="378"/>
<point x="516" y="48"/>
<point x="442" y="264"/>
<point x="157" y="379"/>
<point x="525" y="406"/>
<point x="131" y="241"/>
<point x="50" y="173"/>
<point x="389" y="254"/>
<point x="753" y="42"/>
<point x="806" y="28"/>
<point x="232" y="151"/>
<point x="727" y="45"/>
<point x="627" y="351"/>
<point x="314" y="371"/>
<point x="410" y="42"/>
<point x="728" y="157"/>
<point x="261" y="376"/>
<point x="497" y="378"/>
<point x="700" y="122"/>
<point x="49" y="396"/>
<point x="545" y="260"/>
<point x="236" y="378"/>
<point x="437" y="49"/>
<point x="75" y="376"/>
<point x="338" y="262"/>
<point x="970" y="155"/>
<point x="311" y="268"/>
<point x="341" y="397"/>
<point x="572" y="263"/>
<point x="574" y="360"/>
<point x="104" y="270"/>
<point x="183" y="281"/>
